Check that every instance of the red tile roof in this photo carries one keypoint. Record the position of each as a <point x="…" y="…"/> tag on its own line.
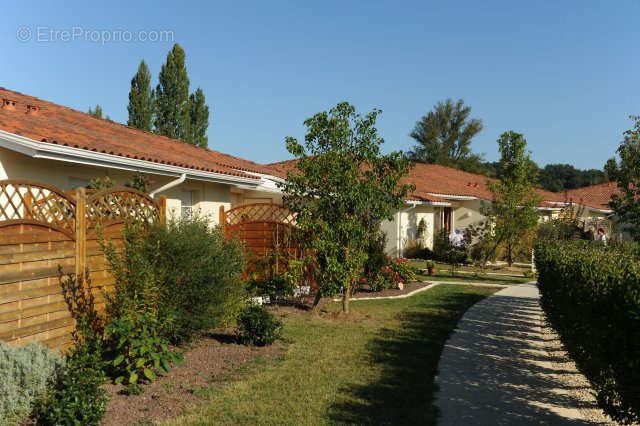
<point x="435" y="179"/>
<point x="60" y="125"/>
<point x="595" y="196"/>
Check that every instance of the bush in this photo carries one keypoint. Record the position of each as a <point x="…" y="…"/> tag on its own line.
<point x="199" y="273"/>
<point x="591" y="295"/>
<point x="77" y="398"/>
<point x="25" y="374"/>
<point x="135" y="350"/>
<point x="258" y="326"/>
<point x="272" y="287"/>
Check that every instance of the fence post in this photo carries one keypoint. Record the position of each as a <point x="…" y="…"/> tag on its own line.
<point x="28" y="201"/>
<point x="81" y="231"/>
<point x="162" y="203"/>
<point x="223" y="220"/>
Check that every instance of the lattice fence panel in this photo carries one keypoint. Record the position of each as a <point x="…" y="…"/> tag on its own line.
<point x="24" y="201"/>
<point x="260" y="213"/>
<point x="119" y="205"/>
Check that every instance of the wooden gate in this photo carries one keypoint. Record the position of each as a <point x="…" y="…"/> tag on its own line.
<point x="43" y="228"/>
<point x="268" y="232"/>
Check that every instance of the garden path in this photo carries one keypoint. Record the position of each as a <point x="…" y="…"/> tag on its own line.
<point x="504" y="366"/>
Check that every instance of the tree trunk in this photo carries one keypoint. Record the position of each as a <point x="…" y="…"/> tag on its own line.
<point x="316" y="300"/>
<point x="345" y="299"/>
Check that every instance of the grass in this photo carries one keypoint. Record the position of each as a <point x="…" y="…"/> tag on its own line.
<point x="445" y="275"/>
<point x="375" y="366"/>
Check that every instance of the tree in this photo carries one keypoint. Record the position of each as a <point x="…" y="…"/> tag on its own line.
<point x="342" y="189"/>
<point x="444" y="137"/>
<point x="560" y="177"/>
<point x="199" y="114"/>
<point x="172" y="116"/>
<point x="512" y="213"/>
<point x="626" y="173"/>
<point x="141" y="99"/>
<point x="96" y="112"/>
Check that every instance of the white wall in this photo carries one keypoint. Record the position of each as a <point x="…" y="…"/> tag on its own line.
<point x="404" y="227"/>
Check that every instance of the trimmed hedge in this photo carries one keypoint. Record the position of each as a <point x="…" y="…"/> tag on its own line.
<point x="591" y="295"/>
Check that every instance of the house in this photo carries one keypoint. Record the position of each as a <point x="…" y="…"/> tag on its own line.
<point x="43" y="141"/>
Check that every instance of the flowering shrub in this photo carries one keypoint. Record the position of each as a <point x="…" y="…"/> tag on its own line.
<point x="389" y="275"/>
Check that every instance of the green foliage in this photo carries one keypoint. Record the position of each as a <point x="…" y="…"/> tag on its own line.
<point x="100" y="183"/>
<point x="136" y="350"/>
<point x="199" y="274"/>
<point x="272" y="287"/>
<point x="26" y="372"/>
<point x="342" y="189"/>
<point x="561" y="177"/>
<point x="591" y="295"/>
<point x="172" y="107"/>
<point x="444" y="137"/>
<point x="445" y="251"/>
<point x="512" y="213"/>
<point x="138" y="181"/>
<point x="141" y="99"/>
<point x="96" y="112"/>
<point x="135" y="343"/>
<point x="626" y="173"/>
<point x="199" y="114"/>
<point x="77" y="397"/>
<point x="258" y="326"/>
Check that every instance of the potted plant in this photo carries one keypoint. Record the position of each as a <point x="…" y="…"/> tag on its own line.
<point x="431" y="267"/>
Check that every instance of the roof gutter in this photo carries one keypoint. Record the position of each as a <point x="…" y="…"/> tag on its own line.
<point x="43" y="150"/>
<point x="454" y="197"/>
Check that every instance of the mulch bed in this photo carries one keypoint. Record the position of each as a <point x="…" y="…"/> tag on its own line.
<point x="408" y="288"/>
<point x="209" y="362"/>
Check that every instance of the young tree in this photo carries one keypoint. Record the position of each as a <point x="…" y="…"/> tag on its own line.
<point x="444" y="137"/>
<point x="199" y="113"/>
<point x="141" y="99"/>
<point x="172" y="112"/>
<point x="342" y="189"/>
<point x="512" y="213"/>
<point x="626" y="173"/>
<point x="96" y="112"/>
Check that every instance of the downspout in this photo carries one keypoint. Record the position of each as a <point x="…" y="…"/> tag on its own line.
<point x="400" y="247"/>
<point x="170" y="185"/>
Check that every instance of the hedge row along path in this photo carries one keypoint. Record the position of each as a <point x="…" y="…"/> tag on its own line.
<point x="503" y="366"/>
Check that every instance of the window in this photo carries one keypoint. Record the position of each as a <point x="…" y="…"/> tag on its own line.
<point x="187" y="200"/>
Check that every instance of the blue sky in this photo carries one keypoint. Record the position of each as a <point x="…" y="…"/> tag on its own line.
<point x="563" y="73"/>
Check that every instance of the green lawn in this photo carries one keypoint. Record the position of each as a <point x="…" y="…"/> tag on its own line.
<point x="445" y="275"/>
<point x="375" y="366"/>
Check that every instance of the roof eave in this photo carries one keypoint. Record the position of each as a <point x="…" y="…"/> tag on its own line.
<point x="49" y="151"/>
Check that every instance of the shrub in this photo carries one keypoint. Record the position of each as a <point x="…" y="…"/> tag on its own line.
<point x="77" y="397"/>
<point x="258" y="326"/>
<point x="272" y="287"/>
<point x="199" y="273"/>
<point x="25" y="374"/>
<point x="135" y="350"/>
<point x="591" y="295"/>
<point x="136" y="327"/>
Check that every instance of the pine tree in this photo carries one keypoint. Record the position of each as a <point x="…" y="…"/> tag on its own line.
<point x="172" y="107"/>
<point x="141" y="99"/>
<point x="96" y="112"/>
<point x="199" y="113"/>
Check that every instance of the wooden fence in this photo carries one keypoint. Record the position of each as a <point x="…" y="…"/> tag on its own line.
<point x="266" y="230"/>
<point x="43" y="228"/>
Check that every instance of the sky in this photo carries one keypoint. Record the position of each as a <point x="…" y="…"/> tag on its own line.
<point x="563" y="73"/>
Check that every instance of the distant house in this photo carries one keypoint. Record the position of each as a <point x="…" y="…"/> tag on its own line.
<point x="42" y="141"/>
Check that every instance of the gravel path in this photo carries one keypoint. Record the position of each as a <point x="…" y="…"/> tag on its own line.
<point x="504" y="366"/>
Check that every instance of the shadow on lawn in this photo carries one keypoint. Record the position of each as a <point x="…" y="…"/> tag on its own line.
<point x="409" y="356"/>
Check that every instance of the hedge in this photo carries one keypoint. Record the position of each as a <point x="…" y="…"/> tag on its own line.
<point x="591" y="295"/>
